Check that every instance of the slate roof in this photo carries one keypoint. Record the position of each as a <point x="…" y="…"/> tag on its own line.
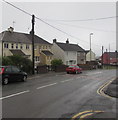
<point x="70" y="47"/>
<point x="47" y="53"/>
<point x="112" y="54"/>
<point x="17" y="52"/>
<point x="21" y="38"/>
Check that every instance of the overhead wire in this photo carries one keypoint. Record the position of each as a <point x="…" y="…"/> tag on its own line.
<point x="80" y="20"/>
<point x="54" y="26"/>
<point x="77" y="26"/>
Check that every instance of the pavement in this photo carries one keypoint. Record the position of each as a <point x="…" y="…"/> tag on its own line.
<point x="112" y="89"/>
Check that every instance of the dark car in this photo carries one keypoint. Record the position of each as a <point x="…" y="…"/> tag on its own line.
<point x="73" y="69"/>
<point x="11" y="73"/>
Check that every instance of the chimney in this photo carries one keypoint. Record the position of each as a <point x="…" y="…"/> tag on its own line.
<point x="54" y="40"/>
<point x="67" y="41"/>
<point x="10" y="29"/>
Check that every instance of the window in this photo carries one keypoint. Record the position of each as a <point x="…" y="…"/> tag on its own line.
<point x="21" y="46"/>
<point x="15" y="70"/>
<point x="16" y="46"/>
<point x="37" y="58"/>
<point x="35" y="47"/>
<point x="12" y="45"/>
<point x="82" y="59"/>
<point x="6" y="45"/>
<point x="43" y="47"/>
<point x="27" y="46"/>
<point x="8" y="69"/>
<point x="78" y="54"/>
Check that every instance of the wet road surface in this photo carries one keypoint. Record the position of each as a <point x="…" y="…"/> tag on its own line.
<point x="58" y="96"/>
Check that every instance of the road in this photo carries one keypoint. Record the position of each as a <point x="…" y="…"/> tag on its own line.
<point x="58" y="96"/>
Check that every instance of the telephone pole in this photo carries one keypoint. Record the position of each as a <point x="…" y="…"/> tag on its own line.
<point x="102" y="55"/>
<point x="33" y="61"/>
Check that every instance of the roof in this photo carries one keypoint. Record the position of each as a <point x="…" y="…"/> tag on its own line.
<point x="38" y="39"/>
<point x="70" y="47"/>
<point x="15" y="37"/>
<point x="21" y="38"/>
<point x="87" y="51"/>
<point x="17" y="52"/>
<point x="112" y="54"/>
<point x="47" y="53"/>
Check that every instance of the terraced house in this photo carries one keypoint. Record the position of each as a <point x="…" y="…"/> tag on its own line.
<point x="15" y="43"/>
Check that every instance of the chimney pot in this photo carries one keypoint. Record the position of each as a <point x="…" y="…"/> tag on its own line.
<point x="67" y="41"/>
<point x="54" y="40"/>
<point x="10" y="29"/>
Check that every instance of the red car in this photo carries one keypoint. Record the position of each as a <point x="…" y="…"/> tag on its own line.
<point x="73" y="69"/>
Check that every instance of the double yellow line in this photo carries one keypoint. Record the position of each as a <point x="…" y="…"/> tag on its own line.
<point x="85" y="114"/>
<point x="100" y="91"/>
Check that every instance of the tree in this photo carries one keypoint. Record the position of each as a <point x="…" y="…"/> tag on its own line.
<point x="23" y="63"/>
<point x="56" y="62"/>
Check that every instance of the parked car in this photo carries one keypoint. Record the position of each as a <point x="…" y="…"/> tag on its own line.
<point x="73" y="69"/>
<point x="11" y="73"/>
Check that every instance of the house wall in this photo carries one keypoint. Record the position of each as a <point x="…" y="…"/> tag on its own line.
<point x="0" y="48"/>
<point x="43" y="58"/>
<point x="92" y="56"/>
<point x="58" y="53"/>
<point x="70" y="56"/>
<point x="81" y="58"/>
<point x="108" y="60"/>
<point x="6" y="51"/>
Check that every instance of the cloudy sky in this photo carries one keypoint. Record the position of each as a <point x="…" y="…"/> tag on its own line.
<point x="72" y="20"/>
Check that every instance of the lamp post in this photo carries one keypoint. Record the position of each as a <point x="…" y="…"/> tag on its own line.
<point x="90" y="45"/>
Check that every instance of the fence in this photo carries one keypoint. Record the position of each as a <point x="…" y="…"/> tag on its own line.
<point x="42" y="69"/>
<point x="59" y="68"/>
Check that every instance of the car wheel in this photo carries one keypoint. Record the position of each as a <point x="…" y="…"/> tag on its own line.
<point x="67" y="72"/>
<point x="76" y="72"/>
<point x="24" y="78"/>
<point x="5" y="81"/>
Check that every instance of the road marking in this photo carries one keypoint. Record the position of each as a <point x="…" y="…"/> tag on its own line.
<point x="66" y="80"/>
<point x="85" y="114"/>
<point x="75" y="116"/>
<point x="16" y="94"/>
<point x="46" y="86"/>
<point x="94" y="73"/>
<point x="100" y="91"/>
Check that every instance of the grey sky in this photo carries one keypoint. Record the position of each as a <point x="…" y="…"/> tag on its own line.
<point x="103" y="30"/>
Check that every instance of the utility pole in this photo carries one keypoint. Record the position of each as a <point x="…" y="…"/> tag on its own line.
<point x="33" y="61"/>
<point x="102" y="55"/>
<point x="109" y="54"/>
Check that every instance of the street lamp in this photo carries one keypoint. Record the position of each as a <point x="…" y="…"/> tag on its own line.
<point x="90" y="45"/>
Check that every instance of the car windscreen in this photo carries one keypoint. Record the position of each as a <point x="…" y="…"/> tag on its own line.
<point x="71" y="66"/>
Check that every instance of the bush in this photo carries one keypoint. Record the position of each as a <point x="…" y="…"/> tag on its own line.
<point x="23" y="63"/>
<point x="56" y="62"/>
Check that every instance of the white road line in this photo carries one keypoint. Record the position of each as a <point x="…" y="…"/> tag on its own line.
<point x="66" y="80"/>
<point x="14" y="94"/>
<point x="94" y="73"/>
<point x="46" y="86"/>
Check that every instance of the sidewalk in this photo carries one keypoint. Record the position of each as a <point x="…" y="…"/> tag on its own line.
<point x="112" y="89"/>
